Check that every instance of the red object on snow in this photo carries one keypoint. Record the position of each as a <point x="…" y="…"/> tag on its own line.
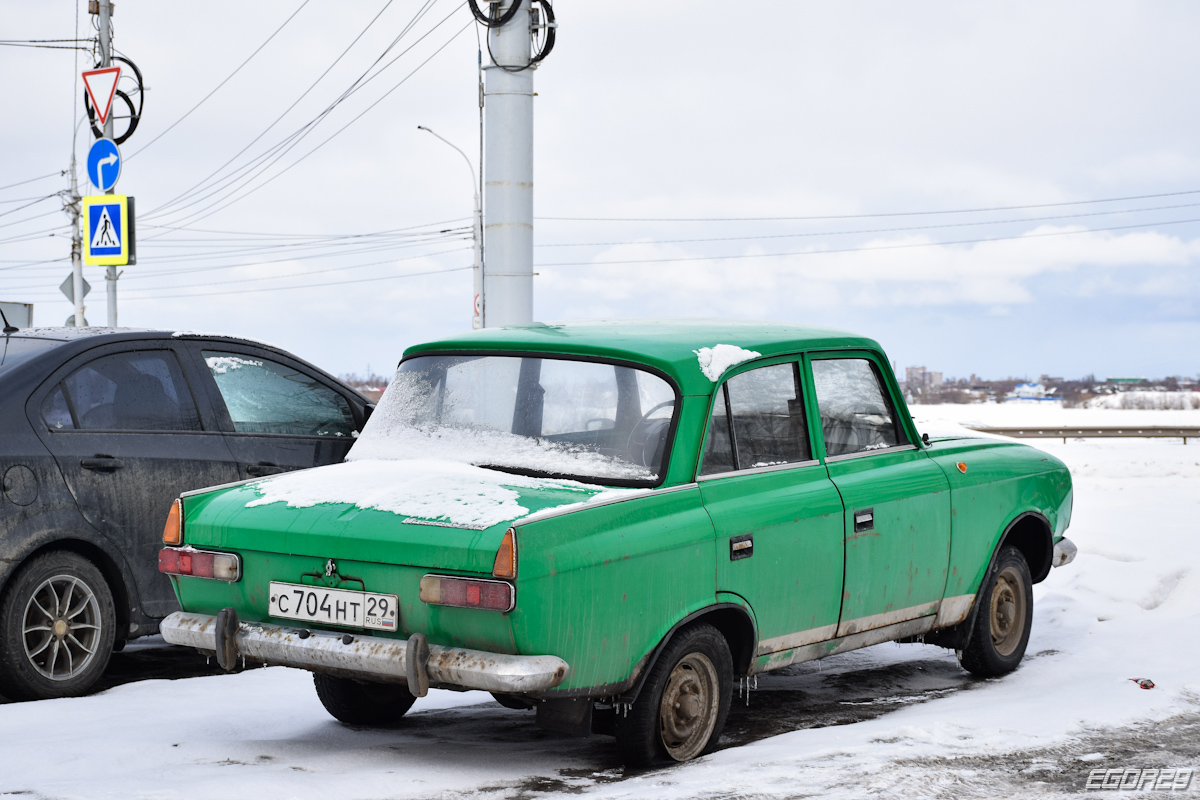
<point x="1145" y="683"/>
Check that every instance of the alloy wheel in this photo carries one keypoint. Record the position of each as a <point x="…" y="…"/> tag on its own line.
<point x="61" y="627"/>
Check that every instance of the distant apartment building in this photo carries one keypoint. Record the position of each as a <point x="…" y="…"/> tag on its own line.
<point x="919" y="378"/>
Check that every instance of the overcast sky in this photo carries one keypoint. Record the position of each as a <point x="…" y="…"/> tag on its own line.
<point x="662" y="110"/>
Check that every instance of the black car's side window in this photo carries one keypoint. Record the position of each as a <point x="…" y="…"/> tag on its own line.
<point x="263" y="396"/>
<point x="136" y="391"/>
<point x="758" y="421"/>
<point x="856" y="415"/>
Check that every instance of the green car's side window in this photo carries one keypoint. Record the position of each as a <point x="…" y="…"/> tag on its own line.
<point x="856" y="415"/>
<point x="757" y="421"/>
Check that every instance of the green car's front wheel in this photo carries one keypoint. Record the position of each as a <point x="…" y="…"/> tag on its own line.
<point x="358" y="703"/>
<point x="1003" y="618"/>
<point x="683" y="705"/>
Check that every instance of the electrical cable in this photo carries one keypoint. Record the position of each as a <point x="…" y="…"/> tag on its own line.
<point x="27" y="205"/>
<point x="306" y="273"/>
<point x="220" y="205"/>
<point x="880" y="230"/>
<point x="306" y="286"/>
<point x="286" y="111"/>
<point x="867" y="249"/>
<point x="55" y="174"/>
<point x="869" y="216"/>
<point x="29" y="219"/>
<point x="550" y="35"/>
<point x="490" y="20"/>
<point x="204" y="99"/>
<point x="277" y="151"/>
<point x="291" y="236"/>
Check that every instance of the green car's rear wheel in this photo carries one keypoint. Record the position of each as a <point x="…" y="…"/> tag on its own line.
<point x="681" y="710"/>
<point x="1003" y="618"/>
<point x="358" y="703"/>
<point x="57" y="623"/>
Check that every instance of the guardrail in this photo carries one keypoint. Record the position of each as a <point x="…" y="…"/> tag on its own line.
<point x="1125" y="432"/>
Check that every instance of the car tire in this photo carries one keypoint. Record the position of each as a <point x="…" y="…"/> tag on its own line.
<point x="357" y="703"/>
<point x="1003" y="618"/>
<point x="57" y="627"/>
<point x="682" y="707"/>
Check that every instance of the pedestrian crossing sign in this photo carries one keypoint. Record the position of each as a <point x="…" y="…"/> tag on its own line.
<point x="108" y="238"/>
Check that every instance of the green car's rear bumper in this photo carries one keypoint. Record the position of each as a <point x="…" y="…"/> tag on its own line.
<point x="370" y="658"/>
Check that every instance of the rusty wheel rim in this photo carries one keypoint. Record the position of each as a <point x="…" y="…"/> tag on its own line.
<point x="688" y="712"/>
<point x="1008" y="611"/>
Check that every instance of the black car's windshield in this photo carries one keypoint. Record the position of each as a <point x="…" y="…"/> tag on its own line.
<point x="15" y="350"/>
<point x="595" y="422"/>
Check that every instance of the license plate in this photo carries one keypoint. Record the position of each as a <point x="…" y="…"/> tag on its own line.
<point x="334" y="606"/>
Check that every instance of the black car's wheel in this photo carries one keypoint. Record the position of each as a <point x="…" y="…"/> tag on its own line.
<point x="1003" y="618"/>
<point x="357" y="703"/>
<point x="683" y="705"/>
<point x="58" y="625"/>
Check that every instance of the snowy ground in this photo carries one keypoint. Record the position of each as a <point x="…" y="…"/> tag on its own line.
<point x="889" y="721"/>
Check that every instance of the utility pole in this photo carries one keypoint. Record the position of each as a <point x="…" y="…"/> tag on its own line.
<point x="76" y="247"/>
<point x="111" y="274"/>
<point x="508" y="182"/>
<point x="476" y="234"/>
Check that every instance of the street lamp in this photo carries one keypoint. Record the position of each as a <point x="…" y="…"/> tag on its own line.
<point x="479" y="307"/>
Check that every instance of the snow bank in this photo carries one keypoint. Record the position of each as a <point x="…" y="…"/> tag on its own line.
<point x="718" y="358"/>
<point x="1182" y="401"/>
<point x="1129" y="606"/>
<point x="447" y="491"/>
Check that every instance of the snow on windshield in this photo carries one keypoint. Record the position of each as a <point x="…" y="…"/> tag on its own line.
<point x="718" y="358"/>
<point x="585" y="420"/>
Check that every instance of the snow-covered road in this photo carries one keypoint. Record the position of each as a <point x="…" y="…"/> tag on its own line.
<point x="889" y="721"/>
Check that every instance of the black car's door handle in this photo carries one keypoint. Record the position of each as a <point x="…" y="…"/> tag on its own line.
<point x="102" y="463"/>
<point x="263" y="468"/>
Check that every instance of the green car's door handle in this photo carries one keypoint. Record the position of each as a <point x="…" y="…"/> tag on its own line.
<point x="864" y="520"/>
<point x="741" y="546"/>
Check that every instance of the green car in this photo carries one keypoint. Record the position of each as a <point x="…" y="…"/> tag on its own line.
<point x="615" y="522"/>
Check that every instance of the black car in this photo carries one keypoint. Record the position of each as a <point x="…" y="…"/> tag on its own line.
<point x="100" y="430"/>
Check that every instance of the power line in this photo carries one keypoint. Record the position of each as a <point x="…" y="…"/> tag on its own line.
<point x="869" y="216"/>
<point x="308" y="286"/>
<point x="222" y="83"/>
<point x="865" y="249"/>
<point x="285" y="113"/>
<point x="862" y="231"/>
<point x="27" y="205"/>
<point x="225" y="201"/>
<point x="260" y="234"/>
<point x="300" y="132"/>
<point x="56" y="174"/>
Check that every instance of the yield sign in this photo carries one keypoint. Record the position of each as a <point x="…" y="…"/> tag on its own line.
<point x="101" y="85"/>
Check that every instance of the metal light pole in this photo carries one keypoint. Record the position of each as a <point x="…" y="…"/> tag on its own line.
<point x="76" y="246"/>
<point x="508" y="166"/>
<point x="110" y="274"/>
<point x="478" y="313"/>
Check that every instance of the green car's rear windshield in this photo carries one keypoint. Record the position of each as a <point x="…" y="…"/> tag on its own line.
<point x="586" y="420"/>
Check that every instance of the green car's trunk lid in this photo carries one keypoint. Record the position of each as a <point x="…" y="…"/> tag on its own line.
<point x="432" y="514"/>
